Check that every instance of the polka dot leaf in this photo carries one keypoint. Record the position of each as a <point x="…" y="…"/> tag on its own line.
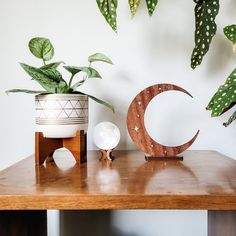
<point x="230" y="33"/>
<point x="151" y="5"/>
<point x="134" y="4"/>
<point x="224" y="98"/>
<point x="108" y="10"/>
<point x="205" y="14"/>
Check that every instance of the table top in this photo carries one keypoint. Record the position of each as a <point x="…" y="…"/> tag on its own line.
<point x="203" y="180"/>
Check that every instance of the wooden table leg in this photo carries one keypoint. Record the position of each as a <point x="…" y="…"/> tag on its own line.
<point x="23" y="223"/>
<point x="221" y="223"/>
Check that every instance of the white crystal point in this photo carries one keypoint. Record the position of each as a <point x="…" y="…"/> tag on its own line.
<point x="106" y="135"/>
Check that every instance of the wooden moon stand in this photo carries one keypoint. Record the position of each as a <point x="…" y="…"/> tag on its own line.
<point x="137" y="129"/>
<point x="45" y="147"/>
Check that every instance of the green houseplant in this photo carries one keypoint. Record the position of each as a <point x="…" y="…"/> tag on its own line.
<point x="205" y="21"/>
<point x="61" y="109"/>
<point x="225" y="97"/>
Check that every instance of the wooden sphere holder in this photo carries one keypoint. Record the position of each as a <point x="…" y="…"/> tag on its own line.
<point x="45" y="147"/>
<point x="106" y="155"/>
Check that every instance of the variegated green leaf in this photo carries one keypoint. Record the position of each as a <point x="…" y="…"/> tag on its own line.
<point x="134" y="4"/>
<point x="41" y="48"/>
<point x="108" y="105"/>
<point x="53" y="65"/>
<point x="97" y="100"/>
<point x="78" y="84"/>
<point x="99" y="57"/>
<point x="52" y="74"/>
<point x="108" y="10"/>
<point x="72" y="69"/>
<point x="26" y="91"/>
<point x="230" y="33"/>
<point x="50" y="80"/>
<point x="225" y="97"/>
<point x="91" y="72"/>
<point x="230" y="120"/>
<point x="151" y="5"/>
<point x="205" y="14"/>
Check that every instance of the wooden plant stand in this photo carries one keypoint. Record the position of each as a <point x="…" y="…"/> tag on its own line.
<point x="45" y="147"/>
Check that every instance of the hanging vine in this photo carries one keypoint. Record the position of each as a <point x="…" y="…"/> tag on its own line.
<point x="205" y="14"/>
<point x="134" y="4"/>
<point x="225" y="97"/>
<point x="230" y="33"/>
<point x="151" y="5"/>
<point x="108" y="9"/>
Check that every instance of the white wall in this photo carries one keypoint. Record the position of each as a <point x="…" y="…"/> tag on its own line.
<point x="145" y="51"/>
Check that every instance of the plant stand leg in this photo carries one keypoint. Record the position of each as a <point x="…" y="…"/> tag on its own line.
<point x="221" y="223"/>
<point x="23" y="223"/>
<point x="45" y="147"/>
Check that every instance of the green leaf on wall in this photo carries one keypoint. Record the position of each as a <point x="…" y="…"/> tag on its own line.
<point x="134" y="4"/>
<point x="41" y="48"/>
<point x="225" y="97"/>
<point x="205" y="14"/>
<point x="151" y="5"/>
<point x="230" y="33"/>
<point x="108" y="10"/>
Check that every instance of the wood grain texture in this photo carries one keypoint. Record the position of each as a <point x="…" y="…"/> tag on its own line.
<point x="204" y="180"/>
<point x="45" y="147"/>
<point x="221" y="223"/>
<point x="23" y="223"/>
<point x="136" y="124"/>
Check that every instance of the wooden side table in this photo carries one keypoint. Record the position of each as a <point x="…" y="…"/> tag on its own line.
<point x="205" y="180"/>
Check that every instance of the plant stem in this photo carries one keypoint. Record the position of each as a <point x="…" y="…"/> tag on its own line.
<point x="44" y="62"/>
<point x="71" y="78"/>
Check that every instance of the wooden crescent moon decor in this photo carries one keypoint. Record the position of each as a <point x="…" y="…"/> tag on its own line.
<point x="138" y="132"/>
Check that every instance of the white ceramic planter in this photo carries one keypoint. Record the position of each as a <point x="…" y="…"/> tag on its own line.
<point x="61" y="115"/>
